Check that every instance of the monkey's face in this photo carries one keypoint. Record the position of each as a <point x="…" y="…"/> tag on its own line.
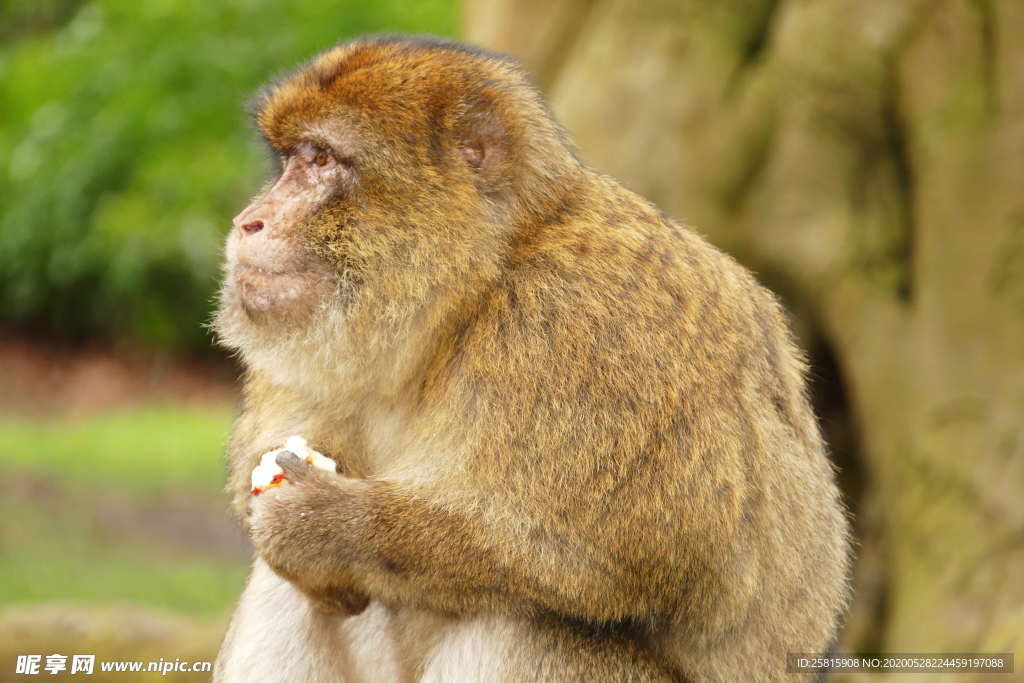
<point x="288" y="289"/>
<point x="272" y="274"/>
<point x="355" y="235"/>
<point x="354" y="207"/>
<point x="401" y="181"/>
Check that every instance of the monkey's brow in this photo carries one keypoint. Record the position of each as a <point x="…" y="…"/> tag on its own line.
<point x="344" y="146"/>
<point x="318" y="140"/>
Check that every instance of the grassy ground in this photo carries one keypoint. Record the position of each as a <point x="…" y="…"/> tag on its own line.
<point x="147" y="450"/>
<point x="119" y="507"/>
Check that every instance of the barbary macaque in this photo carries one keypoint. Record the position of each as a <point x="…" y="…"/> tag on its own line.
<point x="573" y="439"/>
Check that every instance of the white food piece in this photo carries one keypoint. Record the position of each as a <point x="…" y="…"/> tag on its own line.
<point x="264" y="473"/>
<point x="300" y="447"/>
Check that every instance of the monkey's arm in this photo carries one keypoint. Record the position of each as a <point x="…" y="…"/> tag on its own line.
<point x="318" y="530"/>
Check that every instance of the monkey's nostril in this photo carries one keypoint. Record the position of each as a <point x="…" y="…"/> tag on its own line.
<point x="255" y="226"/>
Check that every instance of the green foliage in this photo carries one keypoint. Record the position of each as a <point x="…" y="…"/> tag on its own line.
<point x="124" y="150"/>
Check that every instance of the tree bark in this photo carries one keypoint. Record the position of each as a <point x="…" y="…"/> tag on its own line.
<point x="866" y="159"/>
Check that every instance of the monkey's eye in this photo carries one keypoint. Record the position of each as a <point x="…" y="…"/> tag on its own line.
<point x="321" y="157"/>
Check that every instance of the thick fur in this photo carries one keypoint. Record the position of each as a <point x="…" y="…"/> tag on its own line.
<point x="574" y="438"/>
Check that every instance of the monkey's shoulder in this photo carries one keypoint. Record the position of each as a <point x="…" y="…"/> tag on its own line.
<point x="612" y="252"/>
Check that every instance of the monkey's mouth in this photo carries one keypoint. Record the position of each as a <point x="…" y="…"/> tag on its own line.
<point x="261" y="290"/>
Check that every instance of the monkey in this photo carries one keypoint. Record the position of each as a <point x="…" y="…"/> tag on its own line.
<point x="574" y="440"/>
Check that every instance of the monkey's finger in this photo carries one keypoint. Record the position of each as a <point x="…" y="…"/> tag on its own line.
<point x="295" y="470"/>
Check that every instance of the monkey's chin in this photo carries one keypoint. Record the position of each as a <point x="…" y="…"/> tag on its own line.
<point x="294" y="350"/>
<point x="266" y="295"/>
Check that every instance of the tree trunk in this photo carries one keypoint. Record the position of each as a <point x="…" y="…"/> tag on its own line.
<point x="866" y="159"/>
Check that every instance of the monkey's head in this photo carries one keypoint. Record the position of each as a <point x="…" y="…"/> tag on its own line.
<point x="406" y="167"/>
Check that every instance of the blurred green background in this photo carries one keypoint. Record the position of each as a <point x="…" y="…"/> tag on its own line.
<point x="125" y="149"/>
<point x="126" y="152"/>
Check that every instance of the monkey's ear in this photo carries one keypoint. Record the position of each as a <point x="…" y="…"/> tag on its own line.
<point x="483" y="142"/>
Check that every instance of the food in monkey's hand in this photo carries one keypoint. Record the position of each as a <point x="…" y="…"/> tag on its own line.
<point x="269" y="474"/>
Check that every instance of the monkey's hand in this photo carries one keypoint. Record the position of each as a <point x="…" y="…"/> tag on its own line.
<point x="286" y="529"/>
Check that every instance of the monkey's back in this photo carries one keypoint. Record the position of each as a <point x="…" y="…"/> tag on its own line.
<point x="652" y="386"/>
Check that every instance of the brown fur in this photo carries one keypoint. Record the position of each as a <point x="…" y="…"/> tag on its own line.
<point x="572" y="434"/>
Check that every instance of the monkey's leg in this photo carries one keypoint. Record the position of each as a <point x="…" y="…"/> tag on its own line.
<point x="276" y="634"/>
<point x="510" y="650"/>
